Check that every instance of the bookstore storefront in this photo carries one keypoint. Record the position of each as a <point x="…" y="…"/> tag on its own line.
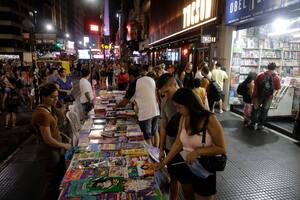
<point x="183" y="32"/>
<point x="267" y="31"/>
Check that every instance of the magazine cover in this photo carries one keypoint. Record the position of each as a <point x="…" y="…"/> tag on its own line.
<point x="102" y="171"/>
<point x="94" y="186"/>
<point x="132" y="172"/>
<point x="117" y="161"/>
<point x="116" y="171"/>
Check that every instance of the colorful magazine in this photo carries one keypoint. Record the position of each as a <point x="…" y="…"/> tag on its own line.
<point x="116" y="171"/>
<point x="110" y="147"/>
<point x="94" y="186"/>
<point x="101" y="171"/>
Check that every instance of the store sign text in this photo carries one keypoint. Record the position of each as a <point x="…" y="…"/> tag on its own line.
<point x="196" y="12"/>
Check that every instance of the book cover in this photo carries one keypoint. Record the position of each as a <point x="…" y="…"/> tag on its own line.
<point x="94" y="186"/>
<point x="117" y="161"/>
<point x="134" y="152"/>
<point x="132" y="172"/>
<point x="101" y="171"/>
<point x="87" y="173"/>
<point x="110" y="147"/>
<point x="72" y="174"/>
<point x="116" y="171"/>
<point x="133" y="145"/>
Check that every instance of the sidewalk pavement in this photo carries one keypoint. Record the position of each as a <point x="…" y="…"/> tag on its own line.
<point x="12" y="138"/>
<point x="261" y="165"/>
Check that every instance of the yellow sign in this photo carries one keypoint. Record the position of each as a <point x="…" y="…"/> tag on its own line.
<point x="105" y="46"/>
<point x="196" y="12"/>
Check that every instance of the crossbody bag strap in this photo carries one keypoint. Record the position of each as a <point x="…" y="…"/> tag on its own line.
<point x="204" y="130"/>
<point x="46" y="108"/>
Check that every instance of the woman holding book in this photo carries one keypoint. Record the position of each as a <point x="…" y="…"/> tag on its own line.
<point x="189" y="145"/>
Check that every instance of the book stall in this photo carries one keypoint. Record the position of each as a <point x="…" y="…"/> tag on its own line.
<point x="112" y="160"/>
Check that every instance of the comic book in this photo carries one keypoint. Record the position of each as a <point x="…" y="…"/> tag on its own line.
<point x="105" y="140"/>
<point x="116" y="171"/>
<point x="72" y="174"/>
<point x="110" y="147"/>
<point x="109" y="134"/>
<point x="134" y="152"/>
<point x="87" y="173"/>
<point x="132" y="145"/>
<point x="117" y="161"/>
<point x="101" y="171"/>
<point x="110" y="127"/>
<point x="132" y="172"/>
<point x="95" y="134"/>
<point x="94" y="186"/>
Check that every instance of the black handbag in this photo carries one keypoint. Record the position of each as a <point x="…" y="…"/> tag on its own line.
<point x="212" y="163"/>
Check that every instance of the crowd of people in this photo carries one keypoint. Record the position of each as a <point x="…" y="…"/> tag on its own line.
<point x="15" y="87"/>
<point x="175" y="109"/>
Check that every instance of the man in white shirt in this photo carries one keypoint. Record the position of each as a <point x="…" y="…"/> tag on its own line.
<point x="219" y="76"/>
<point x="143" y="91"/>
<point x="86" y="92"/>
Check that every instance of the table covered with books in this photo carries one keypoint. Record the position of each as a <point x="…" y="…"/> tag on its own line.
<point x="112" y="159"/>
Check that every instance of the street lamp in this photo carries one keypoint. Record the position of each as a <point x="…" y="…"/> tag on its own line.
<point x="49" y="27"/>
<point x="80" y="42"/>
<point x="67" y="35"/>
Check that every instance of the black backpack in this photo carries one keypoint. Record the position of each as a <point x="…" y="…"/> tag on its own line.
<point x="242" y="89"/>
<point x="266" y="87"/>
<point x="214" y="92"/>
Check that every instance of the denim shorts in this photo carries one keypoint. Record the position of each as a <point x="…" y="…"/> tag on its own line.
<point x="149" y="127"/>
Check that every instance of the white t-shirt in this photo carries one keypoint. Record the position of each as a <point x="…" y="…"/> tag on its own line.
<point x="85" y="86"/>
<point x="143" y="92"/>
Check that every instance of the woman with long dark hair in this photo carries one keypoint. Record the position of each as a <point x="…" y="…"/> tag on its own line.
<point x="189" y="145"/>
<point x="247" y="98"/>
<point x="50" y="147"/>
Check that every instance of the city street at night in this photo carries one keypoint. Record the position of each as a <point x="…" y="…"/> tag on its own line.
<point x="149" y="99"/>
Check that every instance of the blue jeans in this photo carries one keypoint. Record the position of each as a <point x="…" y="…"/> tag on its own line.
<point x="261" y="107"/>
<point x="149" y="127"/>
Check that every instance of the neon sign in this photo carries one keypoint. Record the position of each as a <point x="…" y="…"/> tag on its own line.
<point x="196" y="12"/>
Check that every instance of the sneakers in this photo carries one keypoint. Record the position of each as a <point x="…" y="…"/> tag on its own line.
<point x="256" y="126"/>
<point x="246" y="123"/>
<point x="253" y="126"/>
<point x="260" y="127"/>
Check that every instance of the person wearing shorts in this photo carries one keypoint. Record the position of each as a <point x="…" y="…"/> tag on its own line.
<point x="143" y="91"/>
<point x="149" y="127"/>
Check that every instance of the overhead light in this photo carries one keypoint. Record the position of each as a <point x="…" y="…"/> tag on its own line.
<point x="284" y="32"/>
<point x="49" y="27"/>
<point x="67" y="35"/>
<point x="279" y="25"/>
<point x="296" y="35"/>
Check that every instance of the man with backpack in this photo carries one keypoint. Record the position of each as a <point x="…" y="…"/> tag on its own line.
<point x="214" y="92"/>
<point x="264" y="86"/>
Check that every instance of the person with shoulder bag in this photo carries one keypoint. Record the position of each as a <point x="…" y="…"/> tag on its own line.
<point x="200" y="136"/>
<point x="50" y="147"/>
<point x="245" y="89"/>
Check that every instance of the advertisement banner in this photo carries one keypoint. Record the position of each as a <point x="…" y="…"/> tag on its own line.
<point x="238" y="10"/>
